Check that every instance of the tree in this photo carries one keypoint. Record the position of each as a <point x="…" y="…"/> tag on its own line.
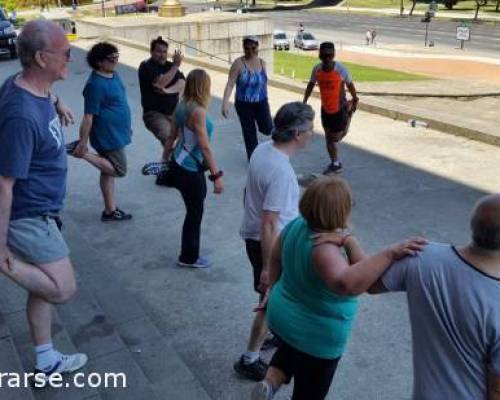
<point x="402" y="8"/>
<point x="9" y="5"/>
<point x="479" y="4"/>
<point x="414" y="3"/>
<point x="497" y="9"/>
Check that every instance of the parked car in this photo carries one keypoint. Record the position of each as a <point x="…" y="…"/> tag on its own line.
<point x="305" y="41"/>
<point x="280" y="41"/>
<point x="8" y="35"/>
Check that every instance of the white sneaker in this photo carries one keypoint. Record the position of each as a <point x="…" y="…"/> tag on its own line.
<point x="262" y="391"/>
<point x="69" y="363"/>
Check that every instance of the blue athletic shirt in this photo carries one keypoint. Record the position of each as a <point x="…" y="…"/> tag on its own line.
<point x="106" y="99"/>
<point x="188" y="143"/>
<point x="31" y="151"/>
<point x="251" y="86"/>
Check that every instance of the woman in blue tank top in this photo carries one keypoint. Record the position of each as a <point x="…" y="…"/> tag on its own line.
<point x="192" y="156"/>
<point x="313" y="304"/>
<point x="249" y="75"/>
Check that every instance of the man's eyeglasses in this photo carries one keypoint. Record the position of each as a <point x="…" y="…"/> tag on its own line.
<point x="112" y="58"/>
<point x="66" y="53"/>
<point x="250" y="48"/>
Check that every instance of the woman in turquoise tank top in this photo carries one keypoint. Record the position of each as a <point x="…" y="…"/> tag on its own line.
<point x="313" y="303"/>
<point x="192" y="156"/>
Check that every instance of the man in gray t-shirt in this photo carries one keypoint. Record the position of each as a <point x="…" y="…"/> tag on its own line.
<point x="270" y="201"/>
<point x="454" y="305"/>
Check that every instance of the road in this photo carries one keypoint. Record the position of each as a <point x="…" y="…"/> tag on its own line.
<point x="351" y="28"/>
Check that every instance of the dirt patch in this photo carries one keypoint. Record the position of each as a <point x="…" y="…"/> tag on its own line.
<point x="434" y="67"/>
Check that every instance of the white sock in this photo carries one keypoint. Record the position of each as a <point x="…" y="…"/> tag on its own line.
<point x="46" y="357"/>
<point x="250" y="357"/>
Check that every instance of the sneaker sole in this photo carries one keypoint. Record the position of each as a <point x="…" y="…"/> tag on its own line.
<point x="154" y="169"/>
<point x="78" y="366"/>
<point x="82" y="364"/>
<point x="194" y="266"/>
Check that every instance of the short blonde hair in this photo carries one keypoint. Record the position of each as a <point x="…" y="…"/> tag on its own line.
<point x="197" y="88"/>
<point x="326" y="204"/>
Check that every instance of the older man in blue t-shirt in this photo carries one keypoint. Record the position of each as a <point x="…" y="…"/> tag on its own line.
<point x="33" y="252"/>
<point x="107" y="123"/>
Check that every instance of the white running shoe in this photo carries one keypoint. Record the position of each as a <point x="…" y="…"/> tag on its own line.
<point x="262" y="391"/>
<point x="67" y="364"/>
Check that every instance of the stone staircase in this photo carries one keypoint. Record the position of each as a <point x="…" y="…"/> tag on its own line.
<point x="109" y="325"/>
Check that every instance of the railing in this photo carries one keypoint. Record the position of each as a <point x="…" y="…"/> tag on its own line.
<point x="210" y="55"/>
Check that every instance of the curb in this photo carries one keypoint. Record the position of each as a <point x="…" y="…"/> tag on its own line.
<point x="364" y="104"/>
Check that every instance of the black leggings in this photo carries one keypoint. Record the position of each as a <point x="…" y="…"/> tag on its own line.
<point x="193" y="188"/>
<point x="249" y="115"/>
<point x="312" y="376"/>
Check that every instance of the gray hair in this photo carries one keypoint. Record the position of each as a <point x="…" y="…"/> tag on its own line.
<point x="290" y="119"/>
<point x="36" y="35"/>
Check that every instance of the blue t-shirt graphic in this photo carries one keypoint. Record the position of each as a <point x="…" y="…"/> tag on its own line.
<point x="106" y="99"/>
<point x="31" y="151"/>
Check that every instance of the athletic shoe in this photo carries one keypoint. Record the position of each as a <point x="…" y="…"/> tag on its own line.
<point x="70" y="147"/>
<point x="334" y="168"/>
<point x="68" y="364"/>
<point x="154" y="168"/>
<point x="117" y="215"/>
<point x="201" y="262"/>
<point x="255" y="371"/>
<point x="262" y="391"/>
<point x="270" y="343"/>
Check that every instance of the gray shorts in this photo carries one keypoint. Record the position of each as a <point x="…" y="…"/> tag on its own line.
<point x="36" y="240"/>
<point x="118" y="160"/>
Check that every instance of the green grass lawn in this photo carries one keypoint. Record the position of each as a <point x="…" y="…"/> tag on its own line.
<point x="286" y="64"/>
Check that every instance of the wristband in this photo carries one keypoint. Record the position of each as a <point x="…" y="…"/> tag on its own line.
<point x="214" y="177"/>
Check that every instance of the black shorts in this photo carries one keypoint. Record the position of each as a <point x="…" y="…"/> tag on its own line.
<point x="254" y="253"/>
<point x="336" y="122"/>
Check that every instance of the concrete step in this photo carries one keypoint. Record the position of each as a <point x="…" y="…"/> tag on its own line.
<point x="107" y="324"/>
<point x="10" y="363"/>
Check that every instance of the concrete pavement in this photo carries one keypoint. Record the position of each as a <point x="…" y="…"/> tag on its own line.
<point x="177" y="332"/>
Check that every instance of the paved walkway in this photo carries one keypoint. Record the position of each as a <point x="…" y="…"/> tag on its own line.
<point x="176" y="332"/>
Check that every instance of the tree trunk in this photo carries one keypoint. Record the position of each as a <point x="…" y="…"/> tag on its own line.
<point x="413" y="7"/>
<point x="497" y="9"/>
<point x="479" y="4"/>
<point x="402" y="8"/>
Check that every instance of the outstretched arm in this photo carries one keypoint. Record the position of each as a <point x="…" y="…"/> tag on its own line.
<point x="358" y="278"/>
<point x="231" y="81"/>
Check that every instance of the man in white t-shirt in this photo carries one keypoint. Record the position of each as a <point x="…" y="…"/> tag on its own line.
<point x="270" y="202"/>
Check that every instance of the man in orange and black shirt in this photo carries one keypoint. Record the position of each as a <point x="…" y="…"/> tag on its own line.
<point x="336" y="112"/>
